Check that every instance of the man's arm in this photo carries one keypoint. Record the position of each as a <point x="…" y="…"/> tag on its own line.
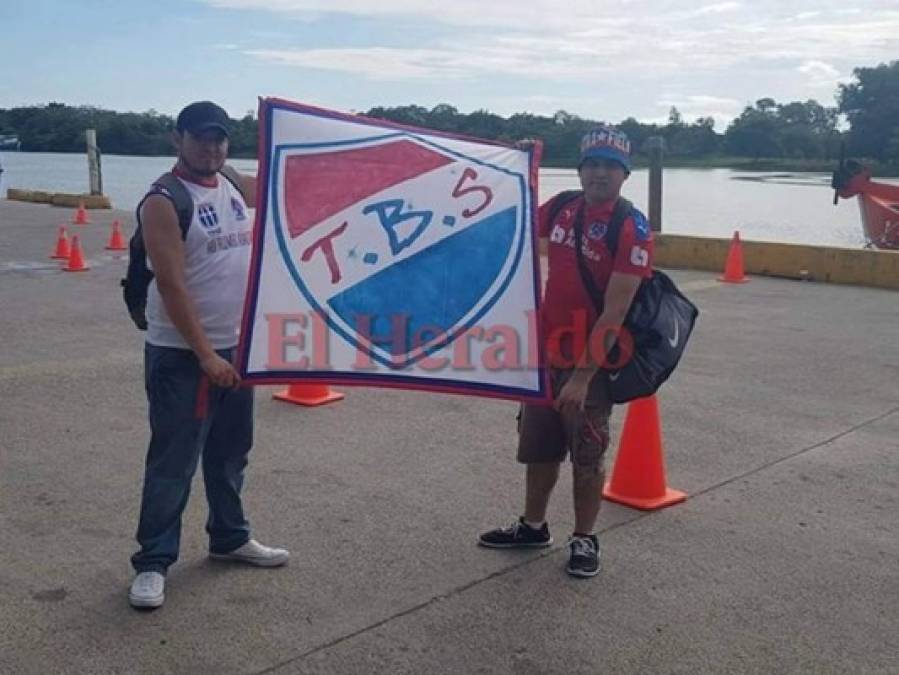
<point x="543" y="246"/>
<point x="162" y="239"/>
<point x="620" y="293"/>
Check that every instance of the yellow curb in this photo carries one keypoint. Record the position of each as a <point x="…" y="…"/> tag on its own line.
<point x="58" y="198"/>
<point x="861" y="267"/>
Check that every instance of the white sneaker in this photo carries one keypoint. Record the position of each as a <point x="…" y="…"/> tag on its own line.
<point x="147" y="590"/>
<point x="254" y="553"/>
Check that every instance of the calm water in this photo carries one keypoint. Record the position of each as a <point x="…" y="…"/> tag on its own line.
<point x="794" y="208"/>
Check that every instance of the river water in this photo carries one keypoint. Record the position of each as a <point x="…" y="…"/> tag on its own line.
<point x="794" y="208"/>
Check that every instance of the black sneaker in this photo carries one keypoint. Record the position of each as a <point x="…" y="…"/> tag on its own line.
<point x="517" y="535"/>
<point x="584" y="560"/>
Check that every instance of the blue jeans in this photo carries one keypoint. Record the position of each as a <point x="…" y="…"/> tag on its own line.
<point x="188" y="418"/>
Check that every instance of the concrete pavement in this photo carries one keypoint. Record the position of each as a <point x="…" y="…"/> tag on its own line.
<point x="782" y="424"/>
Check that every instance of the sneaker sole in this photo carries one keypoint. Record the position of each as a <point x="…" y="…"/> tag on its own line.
<point x="536" y="544"/>
<point x="146" y="603"/>
<point x="582" y="574"/>
<point x="255" y="562"/>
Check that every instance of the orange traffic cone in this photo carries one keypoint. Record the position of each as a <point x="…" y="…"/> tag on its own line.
<point x="62" y="246"/>
<point x="81" y="215"/>
<point x="638" y="479"/>
<point x="76" y="259"/>
<point x="310" y="394"/>
<point x="733" y="268"/>
<point x="116" y="240"/>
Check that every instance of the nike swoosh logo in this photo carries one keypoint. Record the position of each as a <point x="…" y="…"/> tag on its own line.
<point x="673" y="339"/>
<point x="614" y="376"/>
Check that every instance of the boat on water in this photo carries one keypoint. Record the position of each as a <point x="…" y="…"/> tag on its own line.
<point x="878" y="202"/>
<point x="10" y="142"/>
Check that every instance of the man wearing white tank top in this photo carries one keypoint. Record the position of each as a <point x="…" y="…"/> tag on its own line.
<point x="196" y="403"/>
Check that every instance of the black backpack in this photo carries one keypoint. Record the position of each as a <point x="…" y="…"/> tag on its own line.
<point x="138" y="277"/>
<point x="660" y="319"/>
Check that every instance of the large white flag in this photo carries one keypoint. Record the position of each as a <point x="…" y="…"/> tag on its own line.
<point x="391" y="256"/>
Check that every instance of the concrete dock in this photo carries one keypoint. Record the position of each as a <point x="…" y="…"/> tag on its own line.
<point x="782" y="425"/>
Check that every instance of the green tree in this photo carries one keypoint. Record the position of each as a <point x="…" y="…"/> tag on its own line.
<point x="696" y="140"/>
<point x="412" y="115"/>
<point x="892" y="150"/>
<point x="485" y="124"/>
<point x="675" y="119"/>
<point x="638" y="132"/>
<point x="754" y="132"/>
<point x="444" y="117"/>
<point x="871" y="103"/>
<point x="799" y="129"/>
<point x="244" y="133"/>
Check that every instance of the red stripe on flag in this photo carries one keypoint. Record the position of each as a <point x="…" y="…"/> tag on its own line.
<point x="320" y="185"/>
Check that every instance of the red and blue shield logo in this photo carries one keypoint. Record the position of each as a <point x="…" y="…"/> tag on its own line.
<point x="400" y="242"/>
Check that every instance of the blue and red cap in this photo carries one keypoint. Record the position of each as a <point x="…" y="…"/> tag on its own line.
<point x="606" y="142"/>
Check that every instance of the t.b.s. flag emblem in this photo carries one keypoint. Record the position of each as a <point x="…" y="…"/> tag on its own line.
<point x="384" y="247"/>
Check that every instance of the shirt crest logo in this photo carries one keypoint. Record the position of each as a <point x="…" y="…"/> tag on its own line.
<point x="207" y="216"/>
<point x="597" y="231"/>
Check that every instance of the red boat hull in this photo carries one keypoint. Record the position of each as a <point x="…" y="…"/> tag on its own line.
<point x="879" y="205"/>
<point x="880" y="218"/>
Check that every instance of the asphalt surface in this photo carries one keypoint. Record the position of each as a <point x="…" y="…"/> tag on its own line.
<point x="782" y="424"/>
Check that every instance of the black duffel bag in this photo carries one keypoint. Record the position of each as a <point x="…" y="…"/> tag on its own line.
<point x="658" y="323"/>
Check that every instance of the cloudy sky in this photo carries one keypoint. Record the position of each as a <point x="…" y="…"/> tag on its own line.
<point x="597" y="59"/>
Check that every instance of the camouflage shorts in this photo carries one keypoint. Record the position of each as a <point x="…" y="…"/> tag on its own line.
<point x="547" y="435"/>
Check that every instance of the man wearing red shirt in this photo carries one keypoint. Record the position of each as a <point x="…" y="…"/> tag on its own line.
<point x="578" y="420"/>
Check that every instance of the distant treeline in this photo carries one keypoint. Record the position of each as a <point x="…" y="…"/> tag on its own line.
<point x="798" y="130"/>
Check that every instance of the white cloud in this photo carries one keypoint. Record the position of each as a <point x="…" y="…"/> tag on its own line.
<point x="818" y="69"/>
<point x="749" y="50"/>
<point x="822" y="75"/>
<point x="508" y="13"/>
<point x="718" y="8"/>
<point x="509" y="55"/>
<point x="376" y="63"/>
<point x="715" y="36"/>
<point x="587" y="52"/>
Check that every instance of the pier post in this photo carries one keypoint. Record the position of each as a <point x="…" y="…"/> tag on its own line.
<point x="655" y="146"/>
<point x="93" y="162"/>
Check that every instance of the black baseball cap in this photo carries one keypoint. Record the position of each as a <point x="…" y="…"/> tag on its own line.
<point x="201" y="116"/>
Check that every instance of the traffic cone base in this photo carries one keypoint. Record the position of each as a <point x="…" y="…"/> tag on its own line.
<point x="62" y="251"/>
<point x="76" y="259"/>
<point x="308" y="395"/>
<point x="116" y="240"/>
<point x="670" y="497"/>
